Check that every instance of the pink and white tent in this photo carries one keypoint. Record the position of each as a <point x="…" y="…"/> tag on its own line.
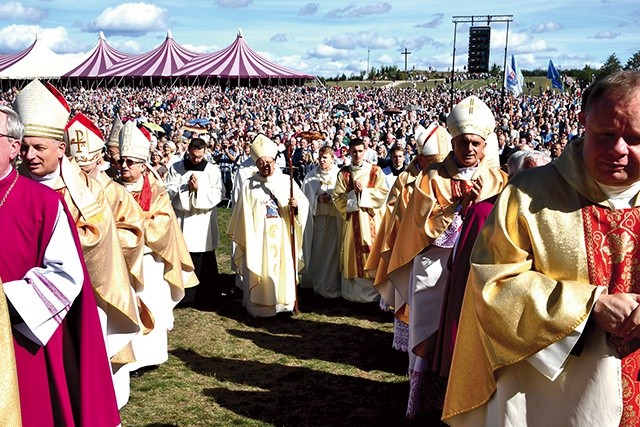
<point x="101" y="58"/>
<point x="238" y="60"/>
<point x="38" y="61"/>
<point x="163" y="61"/>
<point x="8" y="60"/>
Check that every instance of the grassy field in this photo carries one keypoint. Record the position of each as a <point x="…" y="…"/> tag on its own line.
<point x="331" y="365"/>
<point x="459" y="85"/>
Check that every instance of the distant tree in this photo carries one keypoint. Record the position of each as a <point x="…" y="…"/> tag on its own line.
<point x="634" y="62"/>
<point x="496" y="70"/>
<point x="611" y="65"/>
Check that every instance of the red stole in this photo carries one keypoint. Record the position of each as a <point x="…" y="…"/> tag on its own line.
<point x="362" y="249"/>
<point x="145" y="196"/>
<point x="613" y="253"/>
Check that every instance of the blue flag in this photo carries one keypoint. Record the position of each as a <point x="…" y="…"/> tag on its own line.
<point x="554" y="76"/>
<point x="513" y="79"/>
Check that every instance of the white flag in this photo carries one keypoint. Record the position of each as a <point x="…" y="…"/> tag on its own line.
<point x="513" y="79"/>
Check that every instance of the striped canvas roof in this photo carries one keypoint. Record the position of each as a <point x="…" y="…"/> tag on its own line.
<point x="99" y="61"/>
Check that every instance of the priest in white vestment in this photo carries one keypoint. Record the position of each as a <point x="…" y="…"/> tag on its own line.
<point x="264" y="235"/>
<point x="322" y="235"/>
<point x="195" y="188"/>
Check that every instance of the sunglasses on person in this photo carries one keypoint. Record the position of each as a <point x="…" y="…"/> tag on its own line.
<point x="129" y="162"/>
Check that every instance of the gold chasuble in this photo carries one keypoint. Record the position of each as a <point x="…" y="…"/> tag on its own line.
<point x="9" y="395"/>
<point x="163" y="236"/>
<point x="437" y="194"/>
<point x="129" y="219"/>
<point x="102" y="253"/>
<point x="550" y="241"/>
<point x="377" y="263"/>
<point x="360" y="223"/>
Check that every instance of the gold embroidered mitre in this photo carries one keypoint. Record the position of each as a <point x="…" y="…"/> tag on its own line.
<point x="433" y="141"/>
<point x="263" y="147"/>
<point x="134" y="142"/>
<point x="472" y="116"/>
<point x="43" y="110"/>
<point x="84" y="140"/>
<point x="114" y="135"/>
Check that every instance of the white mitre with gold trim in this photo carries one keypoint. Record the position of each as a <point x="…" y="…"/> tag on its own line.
<point x="114" y="134"/>
<point x="134" y="142"/>
<point x="84" y="140"/>
<point x="492" y="151"/>
<point x="262" y="146"/>
<point x="43" y="110"/>
<point x="432" y="141"/>
<point x="471" y="116"/>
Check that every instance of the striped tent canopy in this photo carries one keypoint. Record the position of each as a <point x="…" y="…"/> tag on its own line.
<point x="38" y="61"/>
<point x="101" y="58"/>
<point x="8" y="60"/>
<point x="238" y="60"/>
<point x="163" y="61"/>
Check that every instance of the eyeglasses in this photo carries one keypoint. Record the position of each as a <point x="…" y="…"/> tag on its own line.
<point x="7" y="136"/>
<point x="263" y="163"/>
<point x="129" y="162"/>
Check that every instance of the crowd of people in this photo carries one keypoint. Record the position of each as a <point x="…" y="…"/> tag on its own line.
<point x="375" y="195"/>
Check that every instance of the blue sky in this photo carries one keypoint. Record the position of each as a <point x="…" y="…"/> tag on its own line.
<point x="333" y="37"/>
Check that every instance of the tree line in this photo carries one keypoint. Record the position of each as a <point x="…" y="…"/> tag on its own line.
<point x="586" y="74"/>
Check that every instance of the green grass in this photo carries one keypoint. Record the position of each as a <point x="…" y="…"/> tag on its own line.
<point x="458" y="85"/>
<point x="330" y="365"/>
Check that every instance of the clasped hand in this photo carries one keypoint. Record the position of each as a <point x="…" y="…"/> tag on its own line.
<point x="618" y="314"/>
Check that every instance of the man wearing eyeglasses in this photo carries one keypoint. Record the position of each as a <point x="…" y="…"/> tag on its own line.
<point x="84" y="145"/>
<point x="195" y="188"/>
<point x="167" y="266"/>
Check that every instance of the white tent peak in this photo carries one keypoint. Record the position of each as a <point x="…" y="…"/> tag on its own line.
<point x="240" y="32"/>
<point x="101" y="36"/>
<point x="169" y="35"/>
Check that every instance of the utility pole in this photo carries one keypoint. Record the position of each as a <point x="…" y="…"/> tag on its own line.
<point x="368" y="50"/>
<point x="406" y="54"/>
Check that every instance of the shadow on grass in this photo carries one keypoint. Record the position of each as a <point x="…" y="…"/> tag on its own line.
<point x="308" y="302"/>
<point x="366" y="349"/>
<point x="298" y="396"/>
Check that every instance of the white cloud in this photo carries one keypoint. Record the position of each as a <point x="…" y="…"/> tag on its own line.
<point x="435" y="21"/>
<point x="328" y="52"/>
<point x="127" y="46"/>
<point x="363" y="39"/>
<point x="308" y="9"/>
<point x="200" y="48"/>
<point x="279" y="38"/>
<point x="606" y="35"/>
<point x="19" y="12"/>
<point x="547" y="27"/>
<point x="385" y="60"/>
<point x="233" y="4"/>
<point x="417" y="43"/>
<point x="15" y="38"/>
<point x="130" y="18"/>
<point x="357" y="12"/>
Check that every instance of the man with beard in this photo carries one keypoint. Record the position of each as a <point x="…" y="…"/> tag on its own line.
<point x="195" y="188"/>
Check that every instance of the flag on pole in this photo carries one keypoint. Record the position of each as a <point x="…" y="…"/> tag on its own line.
<point x="554" y="76"/>
<point x="513" y="79"/>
